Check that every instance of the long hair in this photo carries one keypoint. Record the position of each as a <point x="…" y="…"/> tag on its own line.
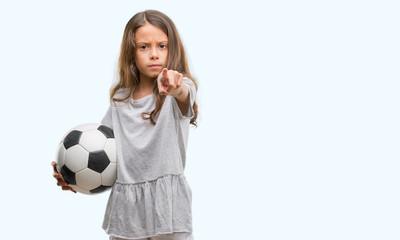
<point x="129" y="73"/>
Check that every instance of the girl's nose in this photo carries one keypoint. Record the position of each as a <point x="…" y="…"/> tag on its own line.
<point x="154" y="53"/>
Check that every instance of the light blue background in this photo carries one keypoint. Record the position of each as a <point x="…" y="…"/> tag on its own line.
<point x="298" y="136"/>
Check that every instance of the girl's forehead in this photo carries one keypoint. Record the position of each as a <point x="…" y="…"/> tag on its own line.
<point x="149" y="32"/>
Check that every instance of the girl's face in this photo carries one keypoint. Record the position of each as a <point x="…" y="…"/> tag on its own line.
<point x="151" y="51"/>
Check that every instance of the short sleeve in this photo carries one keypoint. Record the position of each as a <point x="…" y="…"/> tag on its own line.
<point x="192" y="97"/>
<point x="107" y="119"/>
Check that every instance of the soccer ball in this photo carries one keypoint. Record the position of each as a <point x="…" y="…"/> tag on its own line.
<point x="86" y="157"/>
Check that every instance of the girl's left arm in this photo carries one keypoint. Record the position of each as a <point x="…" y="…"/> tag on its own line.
<point x="170" y="83"/>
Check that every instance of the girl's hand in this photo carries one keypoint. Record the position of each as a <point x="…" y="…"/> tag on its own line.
<point x="60" y="180"/>
<point x="170" y="82"/>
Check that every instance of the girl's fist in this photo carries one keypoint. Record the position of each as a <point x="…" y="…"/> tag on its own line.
<point x="170" y="82"/>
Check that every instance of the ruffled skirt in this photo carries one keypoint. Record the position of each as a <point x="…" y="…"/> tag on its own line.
<point x="150" y="208"/>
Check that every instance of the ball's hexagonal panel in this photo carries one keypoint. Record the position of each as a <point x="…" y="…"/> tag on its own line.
<point x="76" y="158"/>
<point x="72" y="138"/>
<point x="60" y="156"/>
<point x="110" y="150"/>
<point x="87" y="126"/>
<point x="108" y="132"/>
<point x="93" y="140"/>
<point x="81" y="190"/>
<point x="98" y="161"/>
<point x="88" y="179"/>
<point x="68" y="175"/>
<point x="109" y="175"/>
<point x="100" y="189"/>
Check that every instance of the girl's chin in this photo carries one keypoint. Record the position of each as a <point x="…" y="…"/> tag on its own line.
<point x="151" y="76"/>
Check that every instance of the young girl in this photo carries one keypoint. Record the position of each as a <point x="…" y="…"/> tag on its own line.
<point x="151" y="109"/>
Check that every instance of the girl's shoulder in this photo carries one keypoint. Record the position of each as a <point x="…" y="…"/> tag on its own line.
<point x="121" y="96"/>
<point x="122" y="93"/>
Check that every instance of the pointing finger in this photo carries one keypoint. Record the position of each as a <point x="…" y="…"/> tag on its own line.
<point x="165" y="73"/>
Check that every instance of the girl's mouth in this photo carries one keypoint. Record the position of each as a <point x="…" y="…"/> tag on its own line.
<point x="154" y="66"/>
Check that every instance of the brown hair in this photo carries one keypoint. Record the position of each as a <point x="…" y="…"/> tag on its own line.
<point x="129" y="73"/>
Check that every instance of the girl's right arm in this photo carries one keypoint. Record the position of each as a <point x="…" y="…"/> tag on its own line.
<point x="60" y="180"/>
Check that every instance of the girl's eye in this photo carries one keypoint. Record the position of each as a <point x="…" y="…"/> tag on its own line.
<point x="163" y="46"/>
<point x="143" y="47"/>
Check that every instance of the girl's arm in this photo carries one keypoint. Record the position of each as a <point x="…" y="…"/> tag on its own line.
<point x="170" y="83"/>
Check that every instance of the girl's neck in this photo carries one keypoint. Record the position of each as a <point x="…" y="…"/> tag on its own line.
<point x="144" y="88"/>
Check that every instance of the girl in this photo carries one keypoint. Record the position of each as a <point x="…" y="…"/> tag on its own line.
<point x="151" y="109"/>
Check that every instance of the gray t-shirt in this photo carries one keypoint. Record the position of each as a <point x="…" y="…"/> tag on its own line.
<point x="151" y="195"/>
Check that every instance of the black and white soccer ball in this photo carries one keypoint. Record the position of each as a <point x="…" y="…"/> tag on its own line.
<point x="87" y="158"/>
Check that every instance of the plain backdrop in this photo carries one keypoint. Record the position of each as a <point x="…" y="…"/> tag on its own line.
<point x="299" y="126"/>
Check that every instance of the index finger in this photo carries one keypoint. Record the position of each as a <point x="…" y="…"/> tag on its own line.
<point x="165" y="73"/>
